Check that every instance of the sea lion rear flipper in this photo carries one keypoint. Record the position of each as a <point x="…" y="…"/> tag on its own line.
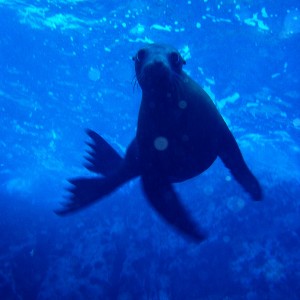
<point x="103" y="158"/>
<point x="85" y="192"/>
<point x="165" y="201"/>
<point x="232" y="157"/>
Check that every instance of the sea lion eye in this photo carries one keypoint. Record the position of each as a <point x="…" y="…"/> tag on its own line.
<point x="139" y="57"/>
<point x="176" y="59"/>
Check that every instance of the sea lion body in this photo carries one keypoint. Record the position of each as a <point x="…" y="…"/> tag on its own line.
<point x="179" y="135"/>
<point x="180" y="129"/>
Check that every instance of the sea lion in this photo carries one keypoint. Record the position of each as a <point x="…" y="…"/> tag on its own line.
<point x="180" y="133"/>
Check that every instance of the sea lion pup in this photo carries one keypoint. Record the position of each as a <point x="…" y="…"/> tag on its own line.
<point x="180" y="133"/>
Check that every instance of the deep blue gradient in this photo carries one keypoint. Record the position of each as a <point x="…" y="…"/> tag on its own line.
<point x="65" y="66"/>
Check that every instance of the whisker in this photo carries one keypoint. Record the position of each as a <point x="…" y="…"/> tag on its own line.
<point x="134" y="83"/>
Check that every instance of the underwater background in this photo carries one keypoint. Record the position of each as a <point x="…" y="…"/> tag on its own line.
<point x="65" y="65"/>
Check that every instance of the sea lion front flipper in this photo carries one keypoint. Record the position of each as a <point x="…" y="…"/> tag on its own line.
<point x="102" y="157"/>
<point x="232" y="158"/>
<point x="165" y="201"/>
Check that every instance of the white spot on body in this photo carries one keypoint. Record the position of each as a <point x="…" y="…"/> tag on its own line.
<point x="182" y="104"/>
<point x="228" y="178"/>
<point x="235" y="204"/>
<point x="185" y="138"/>
<point x="161" y="143"/>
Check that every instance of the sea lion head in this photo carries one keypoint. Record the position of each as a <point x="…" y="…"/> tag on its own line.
<point x="157" y="67"/>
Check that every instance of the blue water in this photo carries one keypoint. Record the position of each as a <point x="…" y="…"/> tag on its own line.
<point x="66" y="66"/>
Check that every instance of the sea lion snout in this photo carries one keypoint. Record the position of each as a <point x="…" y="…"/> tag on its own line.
<point x="153" y="71"/>
<point x="157" y="70"/>
<point x="156" y="65"/>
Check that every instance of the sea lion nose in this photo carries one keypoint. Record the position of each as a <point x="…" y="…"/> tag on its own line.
<point x="159" y="64"/>
<point x="158" y="67"/>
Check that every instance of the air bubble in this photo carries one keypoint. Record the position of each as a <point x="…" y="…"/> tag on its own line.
<point x="182" y="104"/>
<point x="94" y="74"/>
<point x="161" y="143"/>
